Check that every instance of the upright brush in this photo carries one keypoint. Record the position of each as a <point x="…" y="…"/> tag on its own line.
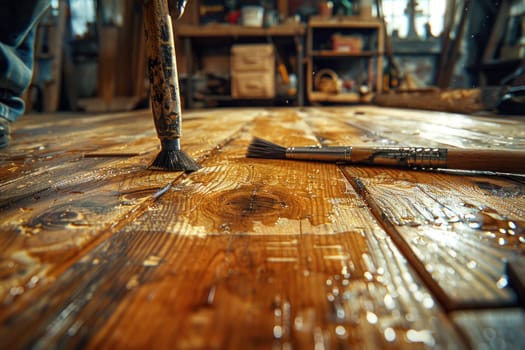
<point x="164" y="84"/>
<point x="407" y="157"/>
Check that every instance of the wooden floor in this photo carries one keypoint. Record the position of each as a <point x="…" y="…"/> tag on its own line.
<point x="99" y="252"/>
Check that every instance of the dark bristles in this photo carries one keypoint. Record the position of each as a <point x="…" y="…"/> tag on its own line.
<point x="260" y="148"/>
<point x="175" y="160"/>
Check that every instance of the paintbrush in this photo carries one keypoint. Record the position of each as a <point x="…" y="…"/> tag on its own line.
<point x="164" y="85"/>
<point x="407" y="157"/>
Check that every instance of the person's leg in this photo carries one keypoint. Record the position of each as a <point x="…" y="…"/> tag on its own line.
<point x="18" y="20"/>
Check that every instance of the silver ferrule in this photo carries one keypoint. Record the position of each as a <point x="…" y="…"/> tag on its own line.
<point x="170" y="144"/>
<point x="327" y="154"/>
<point x="411" y="157"/>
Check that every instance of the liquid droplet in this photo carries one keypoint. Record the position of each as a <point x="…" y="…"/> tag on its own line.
<point x="390" y="334"/>
<point x="423" y="336"/>
<point x="277" y="332"/>
<point x="502" y="282"/>
<point x="340" y="331"/>
<point x="371" y="317"/>
<point x="151" y="261"/>
<point x="133" y="282"/>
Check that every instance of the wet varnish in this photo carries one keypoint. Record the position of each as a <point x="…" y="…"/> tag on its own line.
<point x="98" y="251"/>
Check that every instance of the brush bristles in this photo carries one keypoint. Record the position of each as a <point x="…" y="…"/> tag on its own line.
<point x="260" y="148"/>
<point x="174" y="160"/>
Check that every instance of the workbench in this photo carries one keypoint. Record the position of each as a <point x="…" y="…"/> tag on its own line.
<point x="100" y="252"/>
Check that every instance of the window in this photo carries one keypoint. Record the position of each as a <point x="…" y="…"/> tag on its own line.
<point x="397" y="16"/>
<point x="82" y="15"/>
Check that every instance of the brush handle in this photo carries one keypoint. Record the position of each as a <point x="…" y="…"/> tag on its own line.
<point x="162" y="69"/>
<point x="492" y="160"/>
<point x="416" y="157"/>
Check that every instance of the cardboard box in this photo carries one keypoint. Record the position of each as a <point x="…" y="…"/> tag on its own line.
<point x="253" y="71"/>
<point x="347" y="43"/>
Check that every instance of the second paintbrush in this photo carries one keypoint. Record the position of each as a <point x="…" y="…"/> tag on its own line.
<point x="407" y="157"/>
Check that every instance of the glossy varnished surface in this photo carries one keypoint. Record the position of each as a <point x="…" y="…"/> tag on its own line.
<point x="98" y="251"/>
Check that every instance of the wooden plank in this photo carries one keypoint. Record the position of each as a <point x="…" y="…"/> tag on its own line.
<point x="498" y="30"/>
<point x="116" y="103"/>
<point x="131" y="70"/>
<point x="515" y="271"/>
<point x="455" y="101"/>
<point x="492" y="329"/>
<point x="56" y="42"/>
<point x="41" y="150"/>
<point x="48" y="54"/>
<point x="459" y="238"/>
<point x="36" y="149"/>
<point x="244" y="253"/>
<point x="282" y="8"/>
<point x="107" y="64"/>
<point x="65" y="203"/>
<point x="403" y="127"/>
<point x="446" y="70"/>
<point x="456" y="230"/>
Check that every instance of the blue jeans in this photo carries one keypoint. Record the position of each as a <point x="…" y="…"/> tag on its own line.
<point x="18" y="20"/>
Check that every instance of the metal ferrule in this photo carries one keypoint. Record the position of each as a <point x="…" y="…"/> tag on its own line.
<point x="170" y="144"/>
<point x="412" y="157"/>
<point x="328" y="154"/>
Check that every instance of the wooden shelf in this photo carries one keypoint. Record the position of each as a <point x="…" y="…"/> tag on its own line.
<point x="343" y="22"/>
<point x="332" y="53"/>
<point x="363" y="67"/>
<point x="223" y="36"/>
<point x="211" y="97"/>
<point x="220" y="30"/>
<point x="319" y="96"/>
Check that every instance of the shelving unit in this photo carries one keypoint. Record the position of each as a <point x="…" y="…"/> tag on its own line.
<point x="217" y="39"/>
<point x="356" y="67"/>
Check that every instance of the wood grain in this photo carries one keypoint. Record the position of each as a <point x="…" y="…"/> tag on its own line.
<point x="64" y="202"/>
<point x="492" y="329"/>
<point x="97" y="251"/>
<point x="243" y="253"/>
<point x="515" y="272"/>
<point x="390" y="126"/>
<point x="456" y="230"/>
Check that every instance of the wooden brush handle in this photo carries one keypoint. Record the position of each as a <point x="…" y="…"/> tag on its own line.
<point x="490" y="160"/>
<point x="416" y="157"/>
<point x="461" y="159"/>
<point x="162" y="69"/>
